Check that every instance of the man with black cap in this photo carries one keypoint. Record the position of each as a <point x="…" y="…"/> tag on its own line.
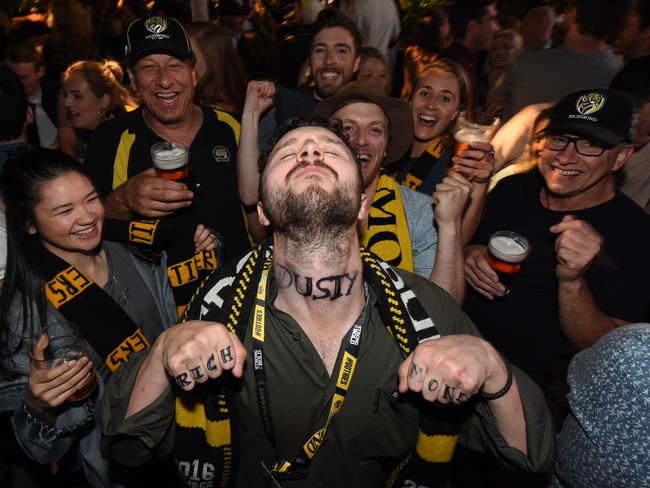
<point x="161" y="69"/>
<point x="587" y="269"/>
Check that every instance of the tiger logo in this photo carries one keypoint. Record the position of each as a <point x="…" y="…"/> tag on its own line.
<point x="156" y="25"/>
<point x="590" y="103"/>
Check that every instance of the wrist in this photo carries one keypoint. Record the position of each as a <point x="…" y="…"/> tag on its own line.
<point x="499" y="379"/>
<point x="573" y="285"/>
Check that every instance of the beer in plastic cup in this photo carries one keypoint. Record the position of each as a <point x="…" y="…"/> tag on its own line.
<point x="170" y="160"/>
<point x="64" y="345"/>
<point x="472" y="126"/>
<point x="506" y="253"/>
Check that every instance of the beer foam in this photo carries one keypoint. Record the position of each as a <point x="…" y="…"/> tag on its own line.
<point x="168" y="159"/>
<point x="467" y="136"/>
<point x="508" y="249"/>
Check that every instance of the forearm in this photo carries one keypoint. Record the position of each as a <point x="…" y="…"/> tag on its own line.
<point x="581" y="320"/>
<point x="448" y="269"/>
<point x="247" y="157"/>
<point x="509" y="415"/>
<point x="474" y="212"/>
<point x="151" y="382"/>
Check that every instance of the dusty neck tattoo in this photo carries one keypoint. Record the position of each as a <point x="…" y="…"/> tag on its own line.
<point x="330" y="287"/>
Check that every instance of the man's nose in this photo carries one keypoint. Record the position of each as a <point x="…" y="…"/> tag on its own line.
<point x="311" y="151"/>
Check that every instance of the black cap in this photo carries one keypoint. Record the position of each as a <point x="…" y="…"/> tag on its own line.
<point x="157" y="35"/>
<point x="604" y="116"/>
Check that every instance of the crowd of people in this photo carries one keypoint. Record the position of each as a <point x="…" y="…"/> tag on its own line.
<point x="278" y="264"/>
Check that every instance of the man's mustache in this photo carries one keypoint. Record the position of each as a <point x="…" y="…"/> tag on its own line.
<point x="304" y="164"/>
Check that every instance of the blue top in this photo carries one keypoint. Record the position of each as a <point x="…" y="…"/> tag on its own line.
<point x="605" y="442"/>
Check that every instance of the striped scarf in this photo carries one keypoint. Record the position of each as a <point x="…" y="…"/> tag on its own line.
<point x="204" y="415"/>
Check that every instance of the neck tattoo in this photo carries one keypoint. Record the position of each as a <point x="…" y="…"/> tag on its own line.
<point x="332" y="287"/>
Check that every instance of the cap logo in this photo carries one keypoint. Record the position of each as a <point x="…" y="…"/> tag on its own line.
<point x="590" y="103"/>
<point x="156" y="25"/>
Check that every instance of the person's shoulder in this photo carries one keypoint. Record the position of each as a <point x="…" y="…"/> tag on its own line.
<point x="630" y="210"/>
<point x="222" y="121"/>
<point x="127" y="121"/>
<point x="520" y="183"/>
<point x="414" y="198"/>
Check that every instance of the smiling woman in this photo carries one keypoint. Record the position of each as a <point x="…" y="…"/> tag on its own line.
<point x="91" y="93"/>
<point x="60" y="272"/>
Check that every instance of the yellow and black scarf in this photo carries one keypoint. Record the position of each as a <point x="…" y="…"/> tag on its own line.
<point x="387" y="231"/>
<point x="204" y="415"/>
<point x="102" y="322"/>
<point x="186" y="268"/>
<point x="418" y="171"/>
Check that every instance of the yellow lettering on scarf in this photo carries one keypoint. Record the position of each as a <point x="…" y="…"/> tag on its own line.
<point x="436" y="148"/>
<point x="143" y="231"/>
<point x="65" y="286"/>
<point x="187" y="271"/>
<point x="387" y="232"/>
<point x="120" y="355"/>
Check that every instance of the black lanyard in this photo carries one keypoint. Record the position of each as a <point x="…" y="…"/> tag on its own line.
<point x="344" y="377"/>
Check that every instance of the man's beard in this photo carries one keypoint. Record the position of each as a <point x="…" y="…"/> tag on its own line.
<point x="314" y="217"/>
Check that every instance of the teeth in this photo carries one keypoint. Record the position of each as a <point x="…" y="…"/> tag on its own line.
<point x="428" y="118"/>
<point x="565" y="172"/>
<point x="166" y="95"/>
<point x="85" y="231"/>
<point x="329" y="75"/>
<point x="364" y="157"/>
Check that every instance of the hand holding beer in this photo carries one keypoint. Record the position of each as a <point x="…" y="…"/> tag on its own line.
<point x="473" y="132"/>
<point x="60" y="370"/>
<point x="576" y="247"/>
<point x="491" y="270"/>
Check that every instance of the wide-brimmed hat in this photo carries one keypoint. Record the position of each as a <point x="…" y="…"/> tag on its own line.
<point x="604" y="116"/>
<point x="157" y="35"/>
<point x="400" y="130"/>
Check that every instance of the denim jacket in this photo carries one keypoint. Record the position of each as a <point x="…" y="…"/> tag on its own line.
<point x="74" y="421"/>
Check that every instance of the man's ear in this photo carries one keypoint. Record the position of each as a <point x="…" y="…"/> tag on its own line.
<point x="261" y="215"/>
<point x="29" y="116"/>
<point x="31" y="230"/>
<point x="40" y="72"/>
<point x="357" y="64"/>
<point x="622" y="157"/>
<point x="364" y="209"/>
<point x="132" y="82"/>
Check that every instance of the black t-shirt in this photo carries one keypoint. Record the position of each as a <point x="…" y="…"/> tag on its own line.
<point x="121" y="148"/>
<point x="524" y="325"/>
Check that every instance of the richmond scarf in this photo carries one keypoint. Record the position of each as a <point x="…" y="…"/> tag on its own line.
<point x="387" y="232"/>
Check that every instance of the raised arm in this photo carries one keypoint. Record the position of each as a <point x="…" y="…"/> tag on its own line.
<point x="259" y="98"/>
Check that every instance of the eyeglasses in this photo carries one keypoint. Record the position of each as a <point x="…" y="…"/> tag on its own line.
<point x="585" y="147"/>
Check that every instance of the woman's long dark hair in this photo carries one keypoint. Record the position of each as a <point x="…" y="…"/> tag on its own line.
<point x="22" y="180"/>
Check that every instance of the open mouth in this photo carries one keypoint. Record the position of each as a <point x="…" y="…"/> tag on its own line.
<point x="364" y="159"/>
<point x="86" y="232"/>
<point x="167" y="97"/>
<point x="328" y="75"/>
<point x="565" y="172"/>
<point x="428" y="119"/>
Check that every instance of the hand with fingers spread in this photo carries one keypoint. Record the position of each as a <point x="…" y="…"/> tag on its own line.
<point x="195" y="351"/>
<point x="205" y="239"/>
<point x="476" y="163"/>
<point x="452" y="369"/>
<point x="576" y="246"/>
<point x="450" y="199"/>
<point x="147" y="195"/>
<point x="480" y="275"/>
<point x="48" y="388"/>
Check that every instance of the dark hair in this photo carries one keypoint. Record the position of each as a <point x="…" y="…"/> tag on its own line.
<point x="13" y="105"/>
<point x="600" y="18"/>
<point x="330" y="17"/>
<point x="462" y="12"/>
<point x="643" y="10"/>
<point x="225" y="79"/>
<point x="22" y="180"/>
<point x="297" y="123"/>
<point x="634" y="81"/>
<point x="24" y="52"/>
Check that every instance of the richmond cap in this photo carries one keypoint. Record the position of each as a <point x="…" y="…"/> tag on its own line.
<point x="157" y="35"/>
<point x="604" y="116"/>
